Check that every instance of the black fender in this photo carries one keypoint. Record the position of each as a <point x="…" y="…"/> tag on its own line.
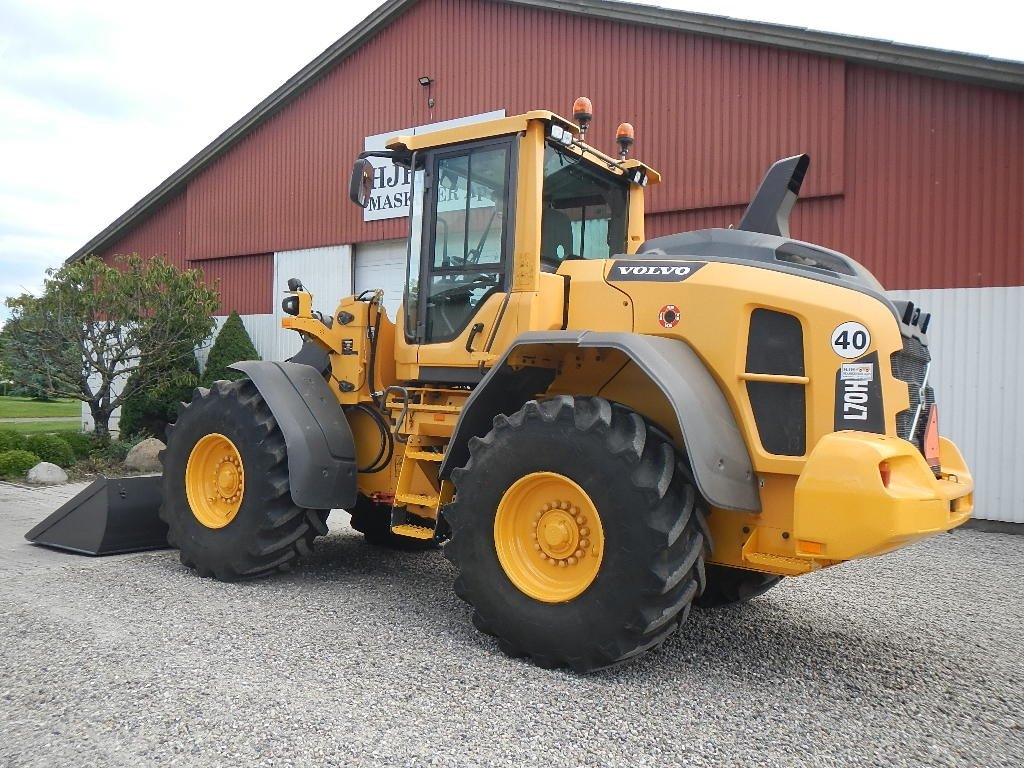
<point x="712" y="439"/>
<point x="321" y="451"/>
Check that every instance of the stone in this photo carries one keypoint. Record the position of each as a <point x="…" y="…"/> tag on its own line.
<point x="145" y="457"/>
<point x="45" y="473"/>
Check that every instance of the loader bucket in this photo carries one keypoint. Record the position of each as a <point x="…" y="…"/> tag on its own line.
<point x="110" y="517"/>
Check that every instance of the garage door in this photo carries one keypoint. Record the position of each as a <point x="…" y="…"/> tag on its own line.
<point x="382" y="265"/>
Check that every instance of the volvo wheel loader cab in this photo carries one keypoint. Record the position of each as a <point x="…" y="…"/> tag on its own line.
<point x="602" y="431"/>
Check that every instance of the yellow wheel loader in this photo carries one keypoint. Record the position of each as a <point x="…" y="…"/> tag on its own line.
<point x="601" y="431"/>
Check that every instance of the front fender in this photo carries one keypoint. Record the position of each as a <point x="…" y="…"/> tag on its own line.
<point x="321" y="451"/>
<point x="712" y="439"/>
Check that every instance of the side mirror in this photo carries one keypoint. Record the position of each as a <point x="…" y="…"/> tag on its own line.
<point x="361" y="183"/>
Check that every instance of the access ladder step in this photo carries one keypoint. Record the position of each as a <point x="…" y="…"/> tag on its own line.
<point x="791" y="566"/>
<point x="413" y="531"/>
<point x="424" y="455"/>
<point x="421" y="499"/>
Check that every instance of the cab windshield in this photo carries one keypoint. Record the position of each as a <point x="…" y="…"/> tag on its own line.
<point x="584" y="210"/>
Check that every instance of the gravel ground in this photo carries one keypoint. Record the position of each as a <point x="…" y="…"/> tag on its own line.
<point x="365" y="657"/>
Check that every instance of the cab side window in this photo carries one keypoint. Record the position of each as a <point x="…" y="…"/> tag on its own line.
<point x="470" y="194"/>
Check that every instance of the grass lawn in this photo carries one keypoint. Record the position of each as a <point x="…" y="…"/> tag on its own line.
<point x="26" y="407"/>
<point x="34" y="427"/>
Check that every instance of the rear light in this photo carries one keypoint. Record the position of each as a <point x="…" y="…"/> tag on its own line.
<point x="885" y="471"/>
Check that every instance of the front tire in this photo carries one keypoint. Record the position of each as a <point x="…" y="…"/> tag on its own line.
<point x="226" y="499"/>
<point x="577" y="534"/>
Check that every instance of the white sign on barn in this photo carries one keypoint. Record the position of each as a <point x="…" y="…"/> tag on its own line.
<point x="389" y="198"/>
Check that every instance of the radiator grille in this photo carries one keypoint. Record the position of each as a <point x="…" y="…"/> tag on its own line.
<point x="909" y="365"/>
<point x="775" y="347"/>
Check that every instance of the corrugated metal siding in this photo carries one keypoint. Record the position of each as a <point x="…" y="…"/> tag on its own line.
<point x="977" y="366"/>
<point x="245" y="282"/>
<point x="934" y="190"/>
<point x="282" y="188"/>
<point x="937" y="199"/>
<point x="163" y="234"/>
<point x="918" y="178"/>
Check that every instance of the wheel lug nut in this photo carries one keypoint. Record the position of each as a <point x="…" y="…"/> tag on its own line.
<point x="578" y="553"/>
<point x="537" y="547"/>
<point x="561" y="563"/>
<point x="584" y="531"/>
<point x="573" y="561"/>
<point x="580" y="519"/>
<point x="584" y="543"/>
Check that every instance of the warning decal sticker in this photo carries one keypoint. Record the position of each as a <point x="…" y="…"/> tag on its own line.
<point x="668" y="316"/>
<point x="859" y="396"/>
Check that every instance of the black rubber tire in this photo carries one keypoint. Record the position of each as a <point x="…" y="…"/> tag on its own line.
<point x="373" y="520"/>
<point x="656" y="537"/>
<point x="734" y="585"/>
<point x="269" y="532"/>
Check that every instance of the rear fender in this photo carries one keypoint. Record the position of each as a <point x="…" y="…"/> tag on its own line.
<point x="321" y="451"/>
<point x="712" y="440"/>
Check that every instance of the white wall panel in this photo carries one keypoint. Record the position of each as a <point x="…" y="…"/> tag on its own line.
<point x="325" y="272"/>
<point x="382" y="265"/>
<point x="977" y="370"/>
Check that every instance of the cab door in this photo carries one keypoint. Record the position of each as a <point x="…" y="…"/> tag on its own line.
<point x="456" y="293"/>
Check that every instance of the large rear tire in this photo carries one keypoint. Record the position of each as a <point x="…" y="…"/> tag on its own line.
<point x="226" y="499"/>
<point x="577" y="534"/>
<point x="734" y="585"/>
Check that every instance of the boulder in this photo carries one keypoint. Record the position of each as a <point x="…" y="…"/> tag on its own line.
<point x="45" y="473"/>
<point x="145" y="457"/>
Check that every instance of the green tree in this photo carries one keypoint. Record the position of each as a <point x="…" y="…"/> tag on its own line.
<point x="95" y="325"/>
<point x="149" y="411"/>
<point x="232" y="345"/>
<point x="27" y="383"/>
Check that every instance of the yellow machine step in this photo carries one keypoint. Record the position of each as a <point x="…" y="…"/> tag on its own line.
<point x="424" y="455"/>
<point x="413" y="531"/>
<point x="790" y="566"/>
<point x="423" y="499"/>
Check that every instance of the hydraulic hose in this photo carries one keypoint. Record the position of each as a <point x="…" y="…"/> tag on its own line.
<point x="387" y="443"/>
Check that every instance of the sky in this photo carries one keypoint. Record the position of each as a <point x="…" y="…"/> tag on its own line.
<point x="101" y="101"/>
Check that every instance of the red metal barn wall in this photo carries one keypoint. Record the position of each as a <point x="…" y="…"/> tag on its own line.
<point x="919" y="178"/>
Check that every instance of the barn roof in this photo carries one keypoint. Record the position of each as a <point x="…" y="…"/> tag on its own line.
<point x="982" y="70"/>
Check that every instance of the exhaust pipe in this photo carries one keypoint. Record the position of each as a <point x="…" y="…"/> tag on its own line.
<point x="769" y="211"/>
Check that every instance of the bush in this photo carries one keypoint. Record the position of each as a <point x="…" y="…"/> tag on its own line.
<point x="51" y="448"/>
<point x="16" y="463"/>
<point x="81" y="443"/>
<point x="117" y="450"/>
<point x="149" y="411"/>
<point x="232" y="345"/>
<point x="10" y="440"/>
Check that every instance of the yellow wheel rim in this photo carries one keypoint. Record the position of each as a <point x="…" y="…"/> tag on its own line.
<point x="548" y="537"/>
<point x="214" y="481"/>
